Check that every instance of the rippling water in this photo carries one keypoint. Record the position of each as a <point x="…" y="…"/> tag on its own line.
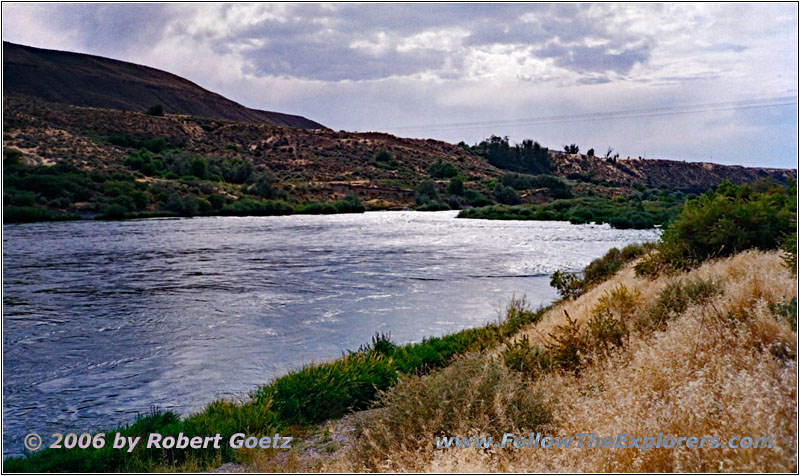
<point x="102" y="320"/>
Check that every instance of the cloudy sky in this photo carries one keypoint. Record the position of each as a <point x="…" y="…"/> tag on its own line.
<point x="702" y="82"/>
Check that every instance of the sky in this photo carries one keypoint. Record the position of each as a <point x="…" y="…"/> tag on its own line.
<point x="688" y="81"/>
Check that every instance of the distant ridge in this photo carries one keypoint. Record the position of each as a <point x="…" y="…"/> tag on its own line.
<point x="86" y="80"/>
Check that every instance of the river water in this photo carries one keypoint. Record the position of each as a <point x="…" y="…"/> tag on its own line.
<point x="104" y="320"/>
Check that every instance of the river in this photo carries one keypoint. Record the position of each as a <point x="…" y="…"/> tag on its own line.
<point x="104" y="320"/>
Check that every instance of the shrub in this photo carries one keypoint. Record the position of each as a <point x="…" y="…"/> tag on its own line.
<point x="249" y="207"/>
<point x="263" y="186"/>
<point x="442" y="169"/>
<point x="602" y="268"/>
<point x="567" y="284"/>
<point x="567" y="345"/>
<point x="506" y="195"/>
<point x="199" y="169"/>
<point x="456" y="186"/>
<point x="674" y="299"/>
<point x="425" y="192"/>
<point x="318" y="209"/>
<point x="722" y="222"/>
<point x="475" y="199"/>
<point x="114" y="212"/>
<point x="155" y="110"/>
<point x="350" y="204"/>
<point x="530" y="360"/>
<point x="519" y="314"/>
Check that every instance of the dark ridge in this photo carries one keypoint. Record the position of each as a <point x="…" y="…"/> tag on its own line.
<point x="85" y="80"/>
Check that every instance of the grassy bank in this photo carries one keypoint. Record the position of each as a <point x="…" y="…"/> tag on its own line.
<point x="620" y="213"/>
<point x="291" y="403"/>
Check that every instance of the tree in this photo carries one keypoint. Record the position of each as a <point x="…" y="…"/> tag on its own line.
<point x="506" y="195"/>
<point x="384" y="156"/>
<point x="426" y="192"/>
<point x="156" y="110"/>
<point x="572" y="149"/>
<point x="456" y="186"/>
<point x="590" y="152"/>
<point x="442" y="169"/>
<point x="199" y="169"/>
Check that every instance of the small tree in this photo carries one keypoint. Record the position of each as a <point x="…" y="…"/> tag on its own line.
<point x="156" y="110"/>
<point x="572" y="149"/>
<point x="506" y="195"/>
<point x="590" y="152"/>
<point x="426" y="192"/>
<point x="199" y="169"/>
<point x="456" y="186"/>
<point x="384" y="156"/>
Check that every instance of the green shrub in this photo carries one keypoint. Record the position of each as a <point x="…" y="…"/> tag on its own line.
<point x="786" y="310"/>
<point x="250" y="207"/>
<point x="506" y="195"/>
<point x="114" y="212"/>
<point x="155" y="110"/>
<point x="725" y="221"/>
<point x="519" y="314"/>
<point x="475" y="199"/>
<point x="317" y="209"/>
<point x="350" y="204"/>
<point x="425" y="192"/>
<point x="567" y="284"/>
<point x="530" y="360"/>
<point x="442" y="169"/>
<point x="456" y="186"/>
<point x="601" y="269"/>
<point x="674" y="299"/>
<point x="199" y="169"/>
<point x="434" y="206"/>
<point x="566" y="345"/>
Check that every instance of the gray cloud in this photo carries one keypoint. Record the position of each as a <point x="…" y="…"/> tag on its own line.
<point x="372" y="66"/>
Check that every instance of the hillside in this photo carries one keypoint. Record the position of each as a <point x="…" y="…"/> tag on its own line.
<point x="86" y="80"/>
<point x="694" y="177"/>
<point x="112" y="150"/>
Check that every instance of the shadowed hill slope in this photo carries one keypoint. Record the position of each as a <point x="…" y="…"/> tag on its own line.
<point x="85" y="80"/>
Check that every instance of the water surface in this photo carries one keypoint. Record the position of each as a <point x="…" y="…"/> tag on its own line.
<point x="103" y="320"/>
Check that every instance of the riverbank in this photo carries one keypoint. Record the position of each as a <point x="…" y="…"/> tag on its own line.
<point x="710" y="352"/>
<point x="620" y="213"/>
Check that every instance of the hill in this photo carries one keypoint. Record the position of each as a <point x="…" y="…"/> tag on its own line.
<point x="692" y="177"/>
<point x="86" y="80"/>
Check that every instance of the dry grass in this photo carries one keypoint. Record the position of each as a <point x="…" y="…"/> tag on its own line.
<point x="725" y="366"/>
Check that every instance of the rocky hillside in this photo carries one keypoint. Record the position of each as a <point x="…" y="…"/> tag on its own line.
<point x="135" y="164"/>
<point x="86" y="80"/>
<point x="695" y="177"/>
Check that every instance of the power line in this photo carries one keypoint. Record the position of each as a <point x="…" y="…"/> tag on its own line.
<point x="609" y="115"/>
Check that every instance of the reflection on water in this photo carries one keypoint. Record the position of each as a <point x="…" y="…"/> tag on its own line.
<point x="102" y="320"/>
